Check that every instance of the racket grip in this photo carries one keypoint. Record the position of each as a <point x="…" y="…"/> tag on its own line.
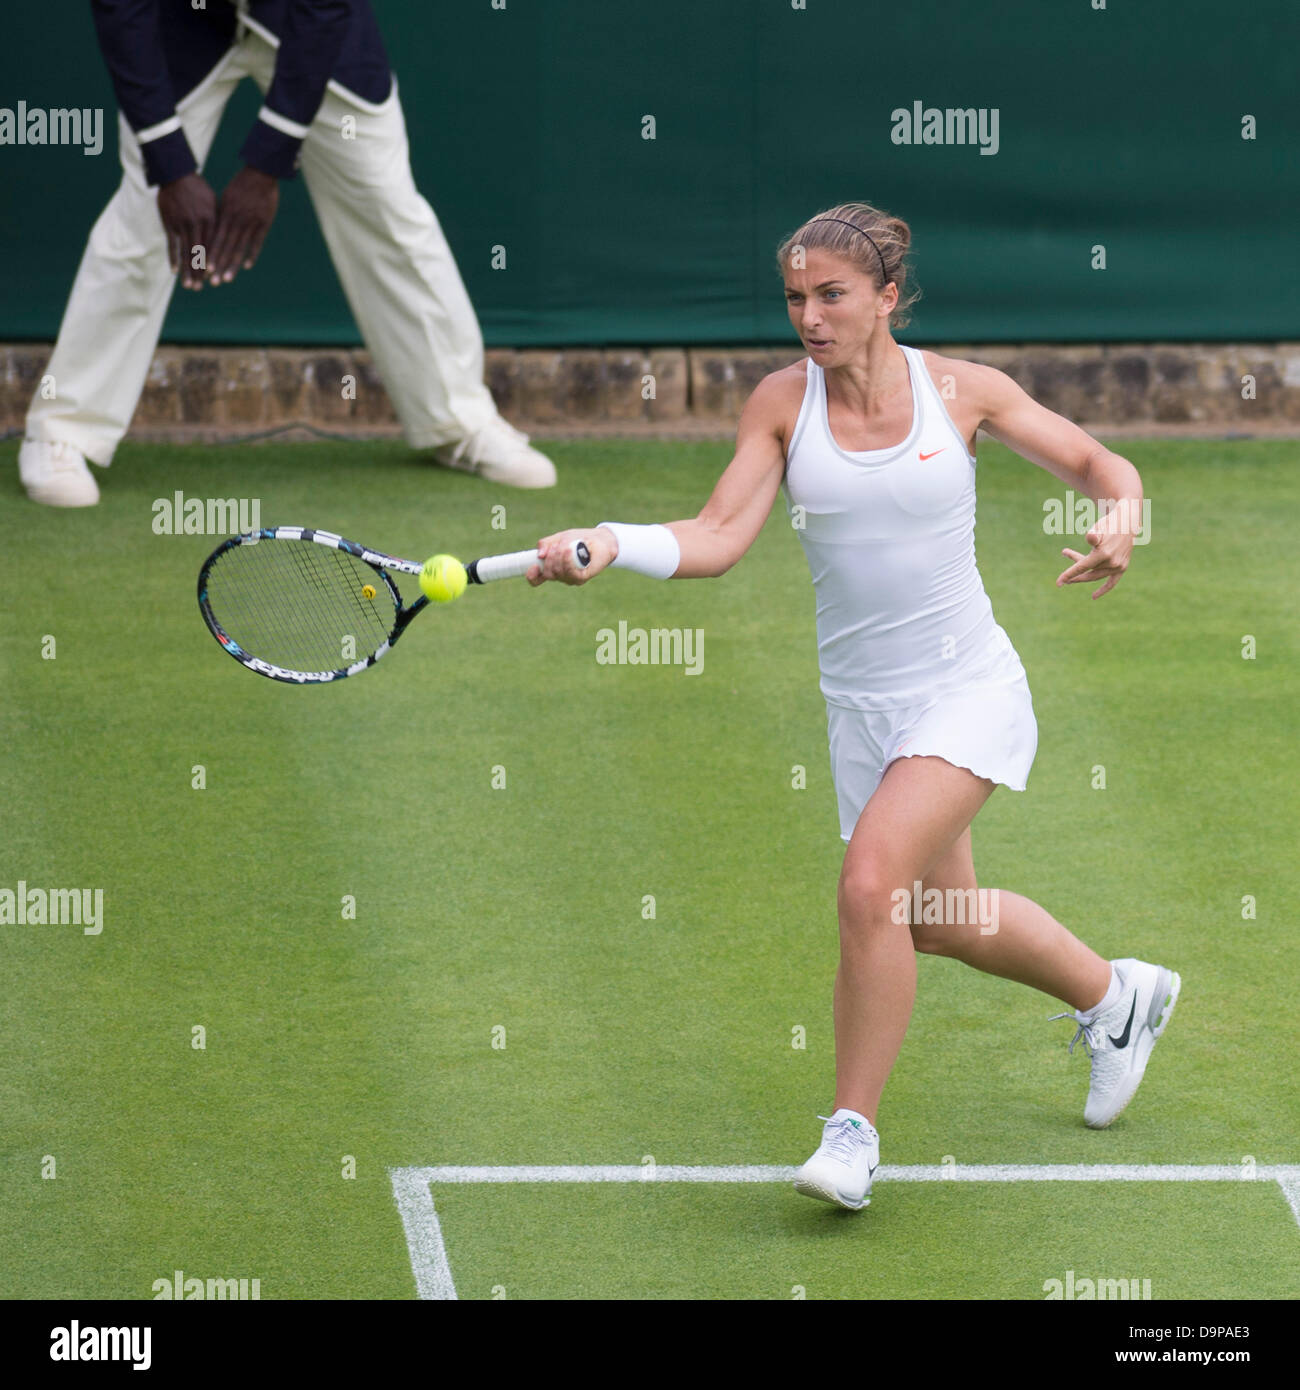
<point x="516" y="564"/>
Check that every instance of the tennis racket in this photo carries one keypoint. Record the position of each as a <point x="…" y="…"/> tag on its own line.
<point x="309" y="607"/>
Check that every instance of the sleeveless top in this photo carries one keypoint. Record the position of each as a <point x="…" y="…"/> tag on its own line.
<point x="889" y="535"/>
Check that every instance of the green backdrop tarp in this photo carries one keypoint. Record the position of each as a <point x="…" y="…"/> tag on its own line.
<point x="1119" y="127"/>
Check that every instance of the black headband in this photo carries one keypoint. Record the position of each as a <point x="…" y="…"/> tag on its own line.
<point x="868" y="236"/>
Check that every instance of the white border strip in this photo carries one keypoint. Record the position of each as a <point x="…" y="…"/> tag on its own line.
<point x="282" y="123"/>
<point x="428" y="1251"/>
<point x="156" y="132"/>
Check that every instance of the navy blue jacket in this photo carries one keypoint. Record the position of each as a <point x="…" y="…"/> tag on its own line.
<point x="158" y="51"/>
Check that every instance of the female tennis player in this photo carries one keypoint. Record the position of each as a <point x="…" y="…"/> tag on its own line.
<point x="927" y="702"/>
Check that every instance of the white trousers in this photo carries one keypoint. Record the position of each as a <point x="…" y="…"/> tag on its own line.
<point x="392" y="258"/>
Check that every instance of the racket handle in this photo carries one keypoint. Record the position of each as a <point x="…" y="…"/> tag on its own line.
<point x="516" y="564"/>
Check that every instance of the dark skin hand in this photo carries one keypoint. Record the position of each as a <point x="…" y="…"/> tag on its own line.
<point x="188" y="208"/>
<point x="247" y="210"/>
<point x="231" y="233"/>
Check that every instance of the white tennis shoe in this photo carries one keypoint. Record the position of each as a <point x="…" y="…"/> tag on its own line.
<point x="501" y="454"/>
<point x="56" y="474"/>
<point x="842" y="1168"/>
<point x="1120" y="1040"/>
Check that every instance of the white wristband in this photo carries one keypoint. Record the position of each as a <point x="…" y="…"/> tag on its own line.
<point x="648" y="550"/>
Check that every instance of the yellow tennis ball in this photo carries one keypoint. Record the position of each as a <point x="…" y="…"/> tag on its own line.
<point x="367" y="591"/>
<point x="443" y="578"/>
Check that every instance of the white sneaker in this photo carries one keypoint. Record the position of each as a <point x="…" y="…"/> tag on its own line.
<point x="501" y="454"/>
<point x="1120" y="1040"/>
<point x="56" y="474"/>
<point x="842" y="1168"/>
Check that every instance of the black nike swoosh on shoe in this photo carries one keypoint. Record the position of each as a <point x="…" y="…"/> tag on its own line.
<point x="1122" y="1040"/>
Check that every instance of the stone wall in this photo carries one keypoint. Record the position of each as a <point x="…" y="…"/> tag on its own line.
<point x="228" y="392"/>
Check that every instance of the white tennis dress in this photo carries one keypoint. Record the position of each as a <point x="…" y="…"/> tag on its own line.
<point x="912" y="662"/>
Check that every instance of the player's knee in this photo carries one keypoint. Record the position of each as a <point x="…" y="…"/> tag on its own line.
<point x="868" y="898"/>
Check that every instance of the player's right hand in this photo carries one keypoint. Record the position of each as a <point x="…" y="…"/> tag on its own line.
<point x="188" y="208"/>
<point x="557" y="562"/>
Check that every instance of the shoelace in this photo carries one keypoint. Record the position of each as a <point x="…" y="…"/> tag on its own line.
<point x="63" y="460"/>
<point x="60" y="457"/>
<point x="844" y="1139"/>
<point x="1087" y="1031"/>
<point x="470" y="444"/>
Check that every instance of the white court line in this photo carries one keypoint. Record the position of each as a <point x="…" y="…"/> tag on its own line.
<point x="423" y="1233"/>
<point x="1291" y="1191"/>
<point x="433" y="1279"/>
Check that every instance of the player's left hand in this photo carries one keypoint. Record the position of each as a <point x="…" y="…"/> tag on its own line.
<point x="248" y="208"/>
<point x="1112" y="545"/>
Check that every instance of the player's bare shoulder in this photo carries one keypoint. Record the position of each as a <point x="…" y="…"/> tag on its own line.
<point x="774" y="404"/>
<point x="967" y="389"/>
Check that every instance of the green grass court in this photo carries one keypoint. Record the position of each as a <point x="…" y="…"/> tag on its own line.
<point x="521" y="908"/>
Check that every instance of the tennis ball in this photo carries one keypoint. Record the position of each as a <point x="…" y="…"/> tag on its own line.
<point x="443" y="578"/>
<point x="367" y="591"/>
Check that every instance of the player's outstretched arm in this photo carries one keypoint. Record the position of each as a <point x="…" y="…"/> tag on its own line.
<point x="710" y="543"/>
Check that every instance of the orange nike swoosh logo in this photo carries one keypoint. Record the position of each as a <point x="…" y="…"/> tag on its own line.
<point x="932" y="454"/>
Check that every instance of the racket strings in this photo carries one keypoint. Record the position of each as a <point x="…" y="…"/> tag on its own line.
<point x="296" y="604"/>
